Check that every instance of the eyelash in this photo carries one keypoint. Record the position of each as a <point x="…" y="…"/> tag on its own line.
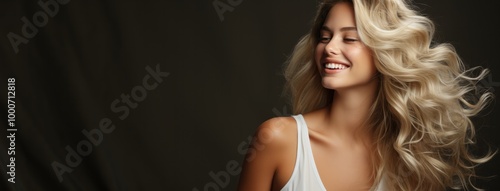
<point x="324" y="39"/>
<point x="327" y="39"/>
<point x="350" y="39"/>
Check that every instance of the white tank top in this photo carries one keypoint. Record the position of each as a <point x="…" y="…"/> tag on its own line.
<point x="305" y="176"/>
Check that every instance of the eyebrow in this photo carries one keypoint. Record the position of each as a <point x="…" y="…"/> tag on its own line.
<point x="341" y="29"/>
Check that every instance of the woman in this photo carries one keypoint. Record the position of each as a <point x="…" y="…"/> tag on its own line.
<point x="377" y="107"/>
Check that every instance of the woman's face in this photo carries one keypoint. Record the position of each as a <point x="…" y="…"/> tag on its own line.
<point x="343" y="60"/>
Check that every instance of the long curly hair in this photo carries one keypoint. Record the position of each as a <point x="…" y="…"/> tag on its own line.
<point x="421" y="115"/>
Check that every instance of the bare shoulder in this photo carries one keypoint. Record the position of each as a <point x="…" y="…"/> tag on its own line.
<point x="276" y="132"/>
<point x="272" y="148"/>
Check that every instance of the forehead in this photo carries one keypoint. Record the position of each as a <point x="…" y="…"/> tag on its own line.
<point x="340" y="15"/>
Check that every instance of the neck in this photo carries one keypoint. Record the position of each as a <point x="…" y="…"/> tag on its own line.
<point x="350" y="110"/>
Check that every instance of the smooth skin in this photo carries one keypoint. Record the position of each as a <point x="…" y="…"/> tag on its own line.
<point x="341" y="145"/>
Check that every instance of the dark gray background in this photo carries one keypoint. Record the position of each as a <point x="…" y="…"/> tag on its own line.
<point x="224" y="80"/>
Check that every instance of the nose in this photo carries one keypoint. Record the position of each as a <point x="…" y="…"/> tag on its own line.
<point x="332" y="47"/>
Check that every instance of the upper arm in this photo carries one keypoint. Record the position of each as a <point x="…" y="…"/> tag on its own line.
<point x="264" y="154"/>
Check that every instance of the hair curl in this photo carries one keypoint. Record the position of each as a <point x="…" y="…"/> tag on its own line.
<point x="421" y="115"/>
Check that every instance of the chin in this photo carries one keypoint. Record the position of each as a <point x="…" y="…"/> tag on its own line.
<point x="328" y="84"/>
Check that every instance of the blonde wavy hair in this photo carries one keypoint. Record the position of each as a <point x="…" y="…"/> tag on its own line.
<point x="421" y="116"/>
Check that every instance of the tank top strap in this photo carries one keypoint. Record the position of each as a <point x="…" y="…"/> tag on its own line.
<point x="305" y="175"/>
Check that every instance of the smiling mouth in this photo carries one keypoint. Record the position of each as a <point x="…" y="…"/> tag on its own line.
<point x="333" y="66"/>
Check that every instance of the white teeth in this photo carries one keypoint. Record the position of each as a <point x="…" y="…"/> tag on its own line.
<point x="335" y="66"/>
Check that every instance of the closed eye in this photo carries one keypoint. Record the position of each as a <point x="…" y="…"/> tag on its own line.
<point x="324" y="39"/>
<point x="350" y="39"/>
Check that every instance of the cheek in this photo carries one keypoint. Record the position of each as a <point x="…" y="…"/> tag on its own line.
<point x="353" y="53"/>
<point x="360" y="56"/>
